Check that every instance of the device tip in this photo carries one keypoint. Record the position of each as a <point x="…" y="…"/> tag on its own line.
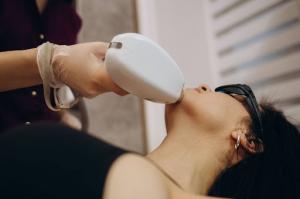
<point x="181" y="96"/>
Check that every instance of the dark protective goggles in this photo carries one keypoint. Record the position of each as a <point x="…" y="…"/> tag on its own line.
<point x="250" y="100"/>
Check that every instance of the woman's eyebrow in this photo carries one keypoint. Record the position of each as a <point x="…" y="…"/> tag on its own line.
<point x="239" y="98"/>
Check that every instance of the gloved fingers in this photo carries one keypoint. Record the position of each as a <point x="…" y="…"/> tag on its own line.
<point x="82" y="68"/>
<point x="109" y="84"/>
<point x="99" y="49"/>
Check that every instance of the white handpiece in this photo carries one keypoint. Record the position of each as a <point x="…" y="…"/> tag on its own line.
<point x="143" y="68"/>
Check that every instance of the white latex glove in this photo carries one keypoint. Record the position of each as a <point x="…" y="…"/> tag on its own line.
<point x="81" y="67"/>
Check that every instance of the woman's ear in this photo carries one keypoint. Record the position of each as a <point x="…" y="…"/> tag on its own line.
<point x="250" y="145"/>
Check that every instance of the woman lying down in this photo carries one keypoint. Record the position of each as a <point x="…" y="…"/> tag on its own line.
<point x="219" y="143"/>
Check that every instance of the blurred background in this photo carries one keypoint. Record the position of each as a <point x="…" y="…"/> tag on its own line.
<point x="118" y="120"/>
<point x="213" y="41"/>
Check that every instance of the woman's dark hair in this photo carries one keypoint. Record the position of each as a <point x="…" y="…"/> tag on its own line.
<point x="273" y="173"/>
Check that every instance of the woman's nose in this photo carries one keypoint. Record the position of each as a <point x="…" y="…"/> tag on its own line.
<point x="204" y="88"/>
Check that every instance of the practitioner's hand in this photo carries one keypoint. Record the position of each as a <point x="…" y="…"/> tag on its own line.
<point x="82" y="68"/>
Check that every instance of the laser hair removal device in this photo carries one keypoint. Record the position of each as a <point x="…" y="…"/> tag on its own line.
<point x="143" y="68"/>
<point x="137" y="65"/>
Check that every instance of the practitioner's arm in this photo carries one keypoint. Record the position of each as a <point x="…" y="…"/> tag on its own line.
<point x="79" y="66"/>
<point x="18" y="69"/>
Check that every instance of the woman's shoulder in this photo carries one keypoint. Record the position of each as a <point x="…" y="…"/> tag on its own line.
<point x="132" y="176"/>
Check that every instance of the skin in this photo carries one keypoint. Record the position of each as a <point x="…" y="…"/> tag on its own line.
<point x="201" y="133"/>
<point x="18" y="69"/>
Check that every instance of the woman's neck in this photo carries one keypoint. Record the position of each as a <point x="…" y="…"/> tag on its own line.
<point x="194" y="163"/>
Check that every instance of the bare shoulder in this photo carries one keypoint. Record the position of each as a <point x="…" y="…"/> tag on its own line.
<point x="194" y="196"/>
<point x="131" y="176"/>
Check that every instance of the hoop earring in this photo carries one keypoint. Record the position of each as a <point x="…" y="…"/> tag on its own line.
<point x="238" y="142"/>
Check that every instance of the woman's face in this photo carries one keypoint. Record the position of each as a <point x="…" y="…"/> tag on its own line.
<point x="207" y="109"/>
